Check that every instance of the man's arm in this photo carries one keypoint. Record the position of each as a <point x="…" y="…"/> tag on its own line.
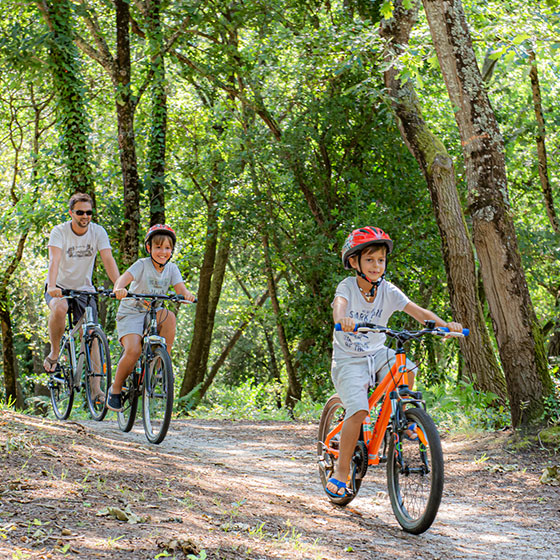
<point x="110" y="264"/>
<point x="55" y="254"/>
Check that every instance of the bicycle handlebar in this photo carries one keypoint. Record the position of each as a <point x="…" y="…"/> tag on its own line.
<point x="438" y="331"/>
<point x="170" y="297"/>
<point x="76" y="293"/>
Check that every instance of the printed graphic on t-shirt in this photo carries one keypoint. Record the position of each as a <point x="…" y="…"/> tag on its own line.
<point x="157" y="285"/>
<point x="361" y="342"/>
<point x="80" y="251"/>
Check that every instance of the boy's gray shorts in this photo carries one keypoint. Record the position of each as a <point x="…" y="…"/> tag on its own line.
<point x="130" y="323"/>
<point x="353" y="375"/>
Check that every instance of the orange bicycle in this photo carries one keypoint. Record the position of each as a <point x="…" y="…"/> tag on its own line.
<point x="414" y="467"/>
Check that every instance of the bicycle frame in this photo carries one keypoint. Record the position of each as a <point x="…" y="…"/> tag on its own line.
<point x="82" y="325"/>
<point x="397" y="376"/>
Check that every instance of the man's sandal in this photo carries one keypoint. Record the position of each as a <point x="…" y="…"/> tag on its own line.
<point x="49" y="365"/>
<point x="340" y="485"/>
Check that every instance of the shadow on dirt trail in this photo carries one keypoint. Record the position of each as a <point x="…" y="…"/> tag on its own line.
<point x="250" y="490"/>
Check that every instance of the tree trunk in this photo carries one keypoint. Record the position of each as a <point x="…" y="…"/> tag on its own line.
<point x="518" y="334"/>
<point x="127" y="147"/>
<point x="436" y="165"/>
<point x="293" y="393"/>
<point x="194" y="374"/>
<point x="541" y="146"/>
<point x="157" y="142"/>
<point x="71" y="107"/>
<point x="230" y="345"/>
<point x="8" y="350"/>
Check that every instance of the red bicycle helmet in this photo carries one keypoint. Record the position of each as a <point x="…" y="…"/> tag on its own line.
<point x="160" y="228"/>
<point x="361" y="238"/>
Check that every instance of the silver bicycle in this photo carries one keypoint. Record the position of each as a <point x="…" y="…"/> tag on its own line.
<point x="84" y="361"/>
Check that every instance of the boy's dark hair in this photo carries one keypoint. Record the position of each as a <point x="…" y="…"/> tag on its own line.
<point x="79" y="197"/>
<point x="159" y="237"/>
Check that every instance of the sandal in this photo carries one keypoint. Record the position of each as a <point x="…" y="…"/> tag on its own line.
<point x="99" y="398"/>
<point x="49" y="365"/>
<point x="411" y="433"/>
<point x="340" y="485"/>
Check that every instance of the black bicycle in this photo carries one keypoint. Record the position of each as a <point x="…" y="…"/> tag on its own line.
<point x="152" y="377"/>
<point x="90" y="367"/>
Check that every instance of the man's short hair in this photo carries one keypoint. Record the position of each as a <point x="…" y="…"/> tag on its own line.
<point x="79" y="197"/>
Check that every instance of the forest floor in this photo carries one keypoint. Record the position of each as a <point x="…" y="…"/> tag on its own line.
<point x="250" y="490"/>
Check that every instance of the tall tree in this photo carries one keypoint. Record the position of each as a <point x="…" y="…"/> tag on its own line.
<point x="438" y="170"/>
<point x="118" y="67"/>
<point x="541" y="143"/>
<point x="518" y="335"/>
<point x="71" y="103"/>
<point x="155" y="182"/>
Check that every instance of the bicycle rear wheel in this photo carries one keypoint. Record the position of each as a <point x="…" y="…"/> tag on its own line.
<point x="129" y="399"/>
<point x="97" y="372"/>
<point x="332" y="415"/>
<point x="61" y="384"/>
<point x="158" y="396"/>
<point x="415" y="475"/>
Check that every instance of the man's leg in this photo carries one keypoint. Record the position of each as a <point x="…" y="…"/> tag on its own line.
<point x="57" y="320"/>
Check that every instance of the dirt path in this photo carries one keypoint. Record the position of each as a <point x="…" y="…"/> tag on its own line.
<point x="250" y="490"/>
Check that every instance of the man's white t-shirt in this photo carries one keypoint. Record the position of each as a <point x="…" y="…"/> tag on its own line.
<point x="147" y="280"/>
<point x="388" y="300"/>
<point x="78" y="254"/>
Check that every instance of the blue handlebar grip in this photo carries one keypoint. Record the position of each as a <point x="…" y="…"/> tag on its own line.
<point x="338" y="327"/>
<point x="445" y="329"/>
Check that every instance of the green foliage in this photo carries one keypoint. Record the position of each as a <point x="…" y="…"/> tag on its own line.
<point x="461" y="408"/>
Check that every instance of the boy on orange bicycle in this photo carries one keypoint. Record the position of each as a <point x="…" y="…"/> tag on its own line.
<point x="361" y="360"/>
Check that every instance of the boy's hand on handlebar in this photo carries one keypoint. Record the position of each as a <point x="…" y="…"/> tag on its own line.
<point x="120" y="293"/>
<point x="347" y="324"/>
<point x="454" y="327"/>
<point x="190" y="297"/>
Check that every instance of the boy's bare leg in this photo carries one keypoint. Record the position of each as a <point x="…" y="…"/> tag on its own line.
<point x="57" y="323"/>
<point x="132" y="345"/>
<point x="167" y="325"/>
<point x="348" y="438"/>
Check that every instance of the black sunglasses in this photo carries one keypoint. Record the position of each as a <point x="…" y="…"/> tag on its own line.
<point x="82" y="212"/>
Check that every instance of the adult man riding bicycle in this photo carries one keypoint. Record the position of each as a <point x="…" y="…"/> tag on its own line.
<point x="73" y="247"/>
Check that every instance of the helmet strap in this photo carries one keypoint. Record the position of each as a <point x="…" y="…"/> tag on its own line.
<point x="374" y="284"/>
<point x="154" y="260"/>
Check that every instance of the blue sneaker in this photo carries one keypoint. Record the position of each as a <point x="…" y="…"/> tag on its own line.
<point x="114" y="402"/>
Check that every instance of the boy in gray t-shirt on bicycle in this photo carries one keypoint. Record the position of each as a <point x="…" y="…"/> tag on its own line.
<point x="362" y="359"/>
<point x="151" y="275"/>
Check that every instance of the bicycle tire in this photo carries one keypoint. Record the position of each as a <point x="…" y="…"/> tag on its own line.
<point x="157" y="401"/>
<point x="97" y="410"/>
<point x="61" y="384"/>
<point x="416" y="487"/>
<point x="129" y="399"/>
<point x="332" y="414"/>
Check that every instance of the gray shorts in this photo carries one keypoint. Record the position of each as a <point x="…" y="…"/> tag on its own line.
<point x="353" y="375"/>
<point x="130" y="323"/>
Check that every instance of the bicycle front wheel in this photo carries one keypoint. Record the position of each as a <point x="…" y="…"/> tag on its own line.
<point x="97" y="373"/>
<point x="332" y="415"/>
<point x="158" y="396"/>
<point x="129" y="399"/>
<point x="61" y="384"/>
<point x="415" y="474"/>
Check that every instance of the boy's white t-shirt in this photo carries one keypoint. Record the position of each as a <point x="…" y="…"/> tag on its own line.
<point x="147" y="280"/>
<point x="78" y="254"/>
<point x="389" y="299"/>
